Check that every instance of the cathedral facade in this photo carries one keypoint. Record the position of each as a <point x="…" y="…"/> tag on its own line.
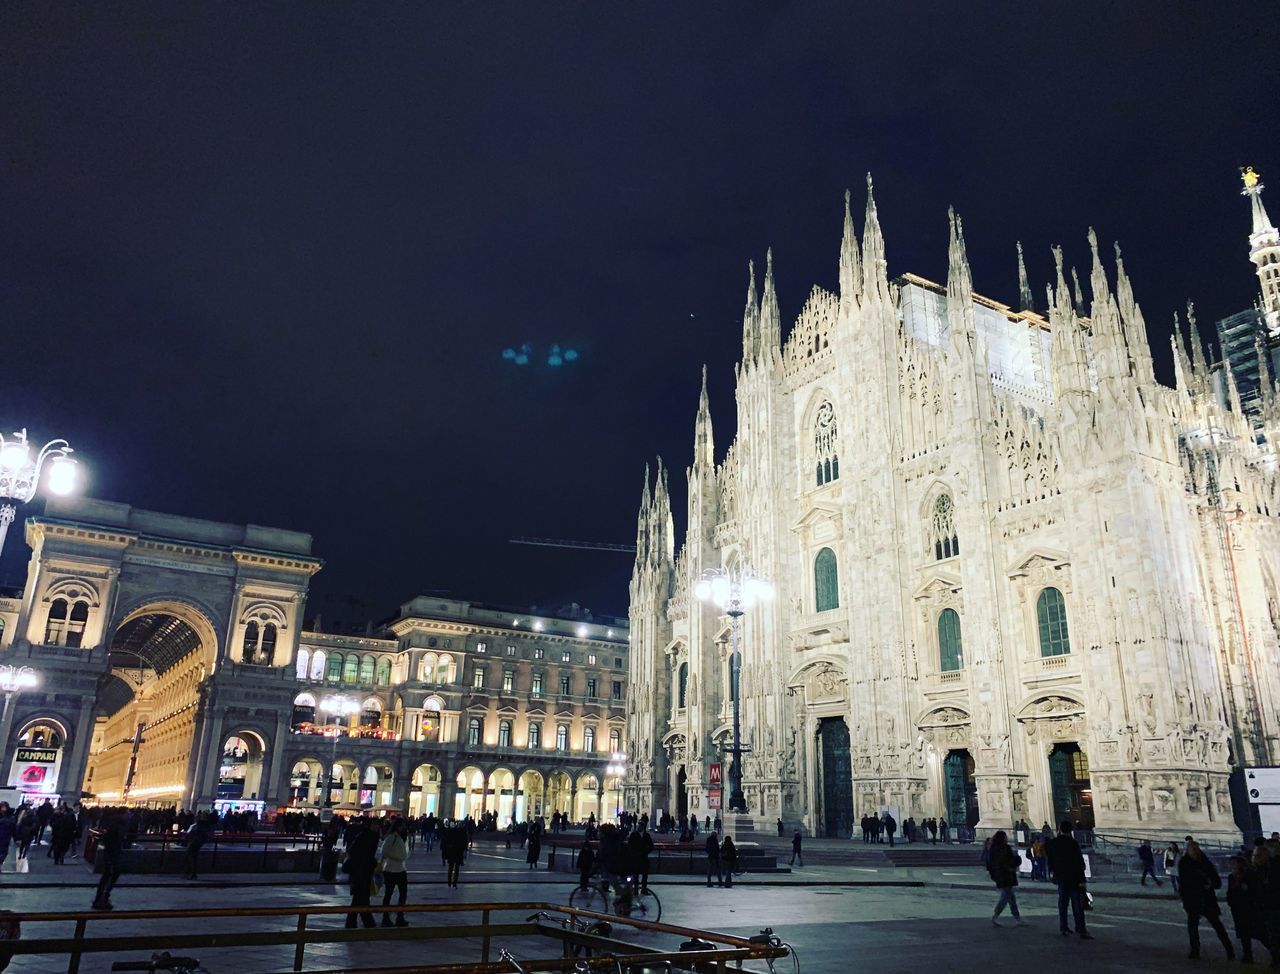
<point x="1016" y="576"/>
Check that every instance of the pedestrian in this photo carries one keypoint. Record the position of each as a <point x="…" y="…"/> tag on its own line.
<point x="62" y="831"/>
<point x="713" y="858"/>
<point x="890" y="827"/>
<point x="360" y="864"/>
<point x="6" y="830"/>
<point x="729" y="856"/>
<point x="586" y="863"/>
<point x="110" y="850"/>
<point x="639" y="846"/>
<point x="1148" y="859"/>
<point x="942" y="831"/>
<point x="1171" y="857"/>
<point x="1197" y="880"/>
<point x="453" y="847"/>
<point x="197" y="835"/>
<point x="1244" y="897"/>
<point x="395" y="870"/>
<point x="780" y="829"/>
<point x="1066" y="863"/>
<point x="533" y="850"/>
<point x="1002" y="865"/>
<point x="795" y="849"/>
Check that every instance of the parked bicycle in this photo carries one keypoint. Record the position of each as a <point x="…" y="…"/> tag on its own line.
<point x="623" y="896"/>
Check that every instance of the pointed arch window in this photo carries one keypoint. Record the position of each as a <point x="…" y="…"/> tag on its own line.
<point x="826" y="444"/>
<point x="942" y="529"/>
<point x="1051" y="616"/>
<point x="950" y="648"/>
<point x="826" y="584"/>
<point x="682" y="695"/>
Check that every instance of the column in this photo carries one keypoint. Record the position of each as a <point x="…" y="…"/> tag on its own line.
<point x="71" y="774"/>
<point x="274" y="787"/>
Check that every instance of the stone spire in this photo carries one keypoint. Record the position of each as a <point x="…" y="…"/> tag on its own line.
<point x="664" y="541"/>
<point x="850" y="262"/>
<point x="1068" y="360"/>
<point x="1135" y="327"/>
<point x="1025" y="301"/>
<point x="1078" y="292"/>
<point x="770" y="318"/>
<point x="964" y="338"/>
<point x="704" y="446"/>
<point x="642" y="521"/>
<point x="1199" y="363"/>
<point x="1264" y="250"/>
<point x="1110" y="356"/>
<point x="875" y="268"/>
<point x="1181" y="364"/>
<point x="751" y="317"/>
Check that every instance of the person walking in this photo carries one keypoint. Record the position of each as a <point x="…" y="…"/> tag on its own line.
<point x="1066" y="864"/>
<point x="1002" y="865"/>
<point x="796" y="843"/>
<point x="395" y="870"/>
<point x="1148" y="859"/>
<point x="62" y="832"/>
<point x="890" y="827"/>
<point x="7" y="824"/>
<point x="1197" y="880"/>
<point x="361" y="861"/>
<point x="1245" y="900"/>
<point x="110" y="851"/>
<point x="1171" y="857"/>
<point x="533" y="850"/>
<point x="713" y="858"/>
<point x="586" y="863"/>
<point x="197" y="835"/>
<point x="729" y="855"/>
<point x="453" y="847"/>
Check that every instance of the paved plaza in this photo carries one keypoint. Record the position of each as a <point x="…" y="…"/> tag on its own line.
<point x="841" y="916"/>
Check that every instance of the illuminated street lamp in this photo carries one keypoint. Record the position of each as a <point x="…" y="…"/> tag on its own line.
<point x="339" y="707"/>
<point x="13" y="680"/>
<point x="734" y="592"/>
<point x="20" y="473"/>
<point x="617" y="770"/>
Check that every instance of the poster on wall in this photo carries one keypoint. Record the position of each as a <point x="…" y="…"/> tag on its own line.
<point x="35" y="769"/>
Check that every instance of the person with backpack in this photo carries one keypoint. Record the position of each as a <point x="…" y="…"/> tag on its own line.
<point x="1002" y="866"/>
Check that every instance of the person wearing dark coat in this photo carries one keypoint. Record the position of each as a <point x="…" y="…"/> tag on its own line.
<point x="533" y="850"/>
<point x="729" y="853"/>
<point x="1244" y="897"/>
<point x="362" y="860"/>
<point x="713" y="858"/>
<point x="110" y="850"/>
<point x="1197" y="880"/>
<point x="1002" y="864"/>
<point x="62" y="832"/>
<point x="586" y="864"/>
<point x="1066" y="863"/>
<point x="796" y="843"/>
<point x="454" y="849"/>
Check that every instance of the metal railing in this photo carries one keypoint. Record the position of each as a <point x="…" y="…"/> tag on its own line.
<point x="619" y="954"/>
<point x="175" y="844"/>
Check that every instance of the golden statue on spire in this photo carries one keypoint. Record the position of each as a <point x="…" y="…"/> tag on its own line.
<point x="1249" y="177"/>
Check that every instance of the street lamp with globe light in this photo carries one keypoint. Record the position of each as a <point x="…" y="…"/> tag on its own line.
<point x="734" y="591"/>
<point x="20" y="472"/>
<point x="342" y="708"/>
<point x="616" y="769"/>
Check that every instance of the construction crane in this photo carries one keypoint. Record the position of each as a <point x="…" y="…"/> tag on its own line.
<point x="581" y="545"/>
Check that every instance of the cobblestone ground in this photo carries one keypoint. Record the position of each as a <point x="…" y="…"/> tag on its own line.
<point x="840" y="916"/>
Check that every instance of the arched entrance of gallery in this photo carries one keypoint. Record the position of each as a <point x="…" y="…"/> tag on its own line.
<point x="424" y="791"/>
<point x="377" y="788"/>
<point x="37" y="760"/>
<point x="559" y="791"/>
<point x="1069" y="781"/>
<point x="468" y="801"/>
<point x="588" y="798"/>
<point x="306" y="781"/>
<point x="529" y="797"/>
<point x="960" y="788"/>
<point x="501" y="798"/>
<point x="240" y="770"/>
<point x="344" y="785"/>
<point x="835" y="778"/>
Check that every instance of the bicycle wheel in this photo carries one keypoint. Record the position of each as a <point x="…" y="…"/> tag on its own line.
<point x="588" y="899"/>
<point x="645" y="905"/>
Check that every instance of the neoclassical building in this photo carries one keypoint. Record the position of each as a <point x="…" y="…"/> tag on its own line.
<point x="172" y="666"/>
<point x="1016" y="575"/>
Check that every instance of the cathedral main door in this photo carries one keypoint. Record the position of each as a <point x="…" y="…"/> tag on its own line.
<point x="837" y="778"/>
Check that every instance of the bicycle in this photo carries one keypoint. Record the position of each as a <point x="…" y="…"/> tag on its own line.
<point x="162" y="962"/>
<point x="767" y="936"/>
<point x="630" y="899"/>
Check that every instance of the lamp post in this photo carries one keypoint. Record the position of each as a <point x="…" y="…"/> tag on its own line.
<point x="616" y="769"/>
<point x="20" y="473"/>
<point x="339" y="707"/>
<point x="734" y="592"/>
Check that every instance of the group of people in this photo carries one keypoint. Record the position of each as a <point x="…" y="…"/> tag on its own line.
<point x="1065" y="863"/>
<point x="883" y="827"/>
<point x="1252" y="894"/>
<point x="28" y="824"/>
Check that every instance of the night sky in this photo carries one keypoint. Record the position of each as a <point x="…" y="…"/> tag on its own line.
<point x="259" y="262"/>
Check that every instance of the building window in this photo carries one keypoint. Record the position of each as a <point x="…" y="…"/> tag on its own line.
<point x="615" y="741"/>
<point x="591" y="659"/>
<point x="562" y="737"/>
<point x="535" y="735"/>
<point x="617" y="662"/>
<point x="1051" y="614"/>
<point x="445" y="671"/>
<point x="564" y="685"/>
<point x="76" y="627"/>
<point x="539" y="652"/>
<point x="477" y="678"/>
<point x="589" y="739"/>
<point x="303" y="665"/>
<point x="482" y="647"/>
<point x="351" y="669"/>
<point x="57" y="625"/>
<point x="950" y="649"/>
<point x="564" y="657"/>
<point x="317" y="665"/>
<point x="367" y="666"/>
<point x="826" y="583"/>
<point x="591" y="687"/>
<point x="511" y="650"/>
<point x="251" y="637"/>
<point x="942" y="529"/>
<point x="682" y="691"/>
<point x="473" y="732"/>
<point x="504" y="733"/>
<point x="826" y="444"/>
<point x="267" y="648"/>
<point x="537" y="684"/>
<point x="508" y="680"/>
<point x="384" y="671"/>
<point x="617" y="689"/>
<point x="334" y="672"/>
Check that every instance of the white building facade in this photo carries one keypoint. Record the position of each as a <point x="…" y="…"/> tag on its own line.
<point x="1016" y="576"/>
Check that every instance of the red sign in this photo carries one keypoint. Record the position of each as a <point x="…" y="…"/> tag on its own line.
<point x="713" y="799"/>
<point x="716" y="774"/>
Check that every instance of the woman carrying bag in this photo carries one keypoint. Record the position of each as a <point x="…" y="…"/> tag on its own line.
<point x="1002" y="864"/>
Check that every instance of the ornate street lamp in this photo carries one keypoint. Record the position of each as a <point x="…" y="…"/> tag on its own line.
<point x="340" y="708"/>
<point x="20" y="473"/>
<point x="13" y="680"/>
<point x="734" y="592"/>
<point x="616" y="770"/>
